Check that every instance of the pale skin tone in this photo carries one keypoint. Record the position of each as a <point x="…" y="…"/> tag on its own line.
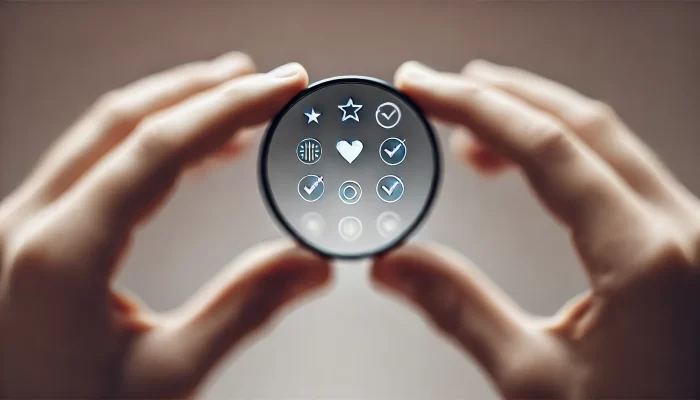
<point x="65" y="332"/>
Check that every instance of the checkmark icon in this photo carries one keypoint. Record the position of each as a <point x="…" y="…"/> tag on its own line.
<point x="388" y="116"/>
<point x="393" y="151"/>
<point x="313" y="187"/>
<point x="389" y="191"/>
<point x="390" y="188"/>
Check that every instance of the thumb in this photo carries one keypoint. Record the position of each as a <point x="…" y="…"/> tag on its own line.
<point x="175" y="357"/>
<point x="469" y="308"/>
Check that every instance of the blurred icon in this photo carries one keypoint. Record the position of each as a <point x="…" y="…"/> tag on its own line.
<point x="311" y="187"/>
<point x="313" y="224"/>
<point x="309" y="151"/>
<point x="348" y="150"/>
<point x="350" y="110"/>
<point x="388" y="115"/>
<point x="350" y="192"/>
<point x="312" y="115"/>
<point x="390" y="188"/>
<point x="393" y="151"/>
<point x="350" y="228"/>
<point x="388" y="224"/>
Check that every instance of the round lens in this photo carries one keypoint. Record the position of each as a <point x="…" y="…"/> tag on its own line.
<point x="349" y="136"/>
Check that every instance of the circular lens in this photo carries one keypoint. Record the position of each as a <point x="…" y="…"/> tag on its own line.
<point x="345" y="134"/>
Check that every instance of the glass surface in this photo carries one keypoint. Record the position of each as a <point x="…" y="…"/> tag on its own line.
<point x="371" y="180"/>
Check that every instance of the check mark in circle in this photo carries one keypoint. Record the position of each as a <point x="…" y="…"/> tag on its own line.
<point x="393" y="151"/>
<point x="311" y="187"/>
<point x="390" y="188"/>
<point x="388" y="115"/>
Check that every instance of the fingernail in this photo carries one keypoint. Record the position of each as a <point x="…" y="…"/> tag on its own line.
<point x="286" y="70"/>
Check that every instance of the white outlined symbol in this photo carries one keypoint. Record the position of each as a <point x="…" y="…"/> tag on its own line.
<point x="311" y="188"/>
<point x="350" y="114"/>
<point x="350" y="228"/>
<point x="309" y="151"/>
<point x="388" y="115"/>
<point x="350" y="192"/>
<point x="390" y="188"/>
<point x="393" y="151"/>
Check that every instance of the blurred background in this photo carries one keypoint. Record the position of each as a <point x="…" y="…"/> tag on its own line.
<point x="352" y="342"/>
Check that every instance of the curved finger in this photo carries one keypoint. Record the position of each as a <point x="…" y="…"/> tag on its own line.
<point x="594" y="122"/>
<point x="134" y="177"/>
<point x="578" y="186"/>
<point x="468" y="307"/>
<point x="116" y="114"/>
<point x="247" y="294"/>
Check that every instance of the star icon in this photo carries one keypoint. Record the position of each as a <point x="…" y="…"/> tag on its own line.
<point x="350" y="115"/>
<point x="313" y="116"/>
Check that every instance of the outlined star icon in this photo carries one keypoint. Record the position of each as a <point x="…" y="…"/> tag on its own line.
<point x="353" y="114"/>
<point x="313" y="116"/>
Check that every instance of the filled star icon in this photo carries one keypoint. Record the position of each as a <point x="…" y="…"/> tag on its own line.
<point x="352" y="114"/>
<point x="313" y="116"/>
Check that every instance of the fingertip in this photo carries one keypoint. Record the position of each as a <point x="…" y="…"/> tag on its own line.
<point x="292" y="73"/>
<point x="411" y="73"/>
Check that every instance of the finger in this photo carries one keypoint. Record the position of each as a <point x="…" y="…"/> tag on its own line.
<point x="143" y="168"/>
<point x="594" y="122"/>
<point x="116" y="114"/>
<point x="577" y="186"/>
<point x="239" y="301"/>
<point x="481" y="157"/>
<point x="459" y="299"/>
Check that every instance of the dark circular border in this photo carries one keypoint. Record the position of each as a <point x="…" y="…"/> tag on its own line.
<point x="266" y="190"/>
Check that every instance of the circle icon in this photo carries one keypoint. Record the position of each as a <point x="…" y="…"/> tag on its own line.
<point x="350" y="192"/>
<point x="350" y="228"/>
<point x="309" y="151"/>
<point x="390" y="188"/>
<point x="388" y="115"/>
<point x="388" y="224"/>
<point x="393" y="151"/>
<point x="313" y="224"/>
<point x="311" y="188"/>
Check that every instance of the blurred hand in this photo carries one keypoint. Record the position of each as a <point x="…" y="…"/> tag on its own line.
<point x="636" y="333"/>
<point x="64" y="332"/>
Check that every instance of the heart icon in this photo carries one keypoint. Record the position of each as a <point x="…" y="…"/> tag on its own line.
<point x="349" y="151"/>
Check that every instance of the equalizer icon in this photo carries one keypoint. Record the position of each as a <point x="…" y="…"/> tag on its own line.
<point x="309" y="151"/>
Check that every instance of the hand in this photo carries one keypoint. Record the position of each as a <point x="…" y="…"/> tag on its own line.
<point x="63" y="331"/>
<point x="636" y="333"/>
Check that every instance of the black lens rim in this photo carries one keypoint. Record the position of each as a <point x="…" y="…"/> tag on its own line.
<point x="266" y="190"/>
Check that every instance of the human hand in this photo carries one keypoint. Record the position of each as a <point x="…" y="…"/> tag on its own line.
<point x="64" y="332"/>
<point x="636" y="333"/>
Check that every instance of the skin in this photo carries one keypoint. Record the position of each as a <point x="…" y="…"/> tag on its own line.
<point x="635" y="333"/>
<point x="65" y="332"/>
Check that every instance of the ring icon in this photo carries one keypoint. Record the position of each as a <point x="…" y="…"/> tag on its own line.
<point x="350" y="192"/>
<point x="388" y="224"/>
<point x="350" y="228"/>
<point x="388" y="115"/>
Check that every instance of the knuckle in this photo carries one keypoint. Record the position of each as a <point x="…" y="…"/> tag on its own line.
<point x="155" y="139"/>
<point x="594" y="119"/>
<point x="29" y="256"/>
<point x="669" y="257"/>
<point x="553" y="143"/>
<point x="115" y="108"/>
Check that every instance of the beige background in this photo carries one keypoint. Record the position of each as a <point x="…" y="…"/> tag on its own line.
<point x="352" y="343"/>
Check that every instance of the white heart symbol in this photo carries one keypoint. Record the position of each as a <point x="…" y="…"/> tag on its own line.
<point x="349" y="151"/>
